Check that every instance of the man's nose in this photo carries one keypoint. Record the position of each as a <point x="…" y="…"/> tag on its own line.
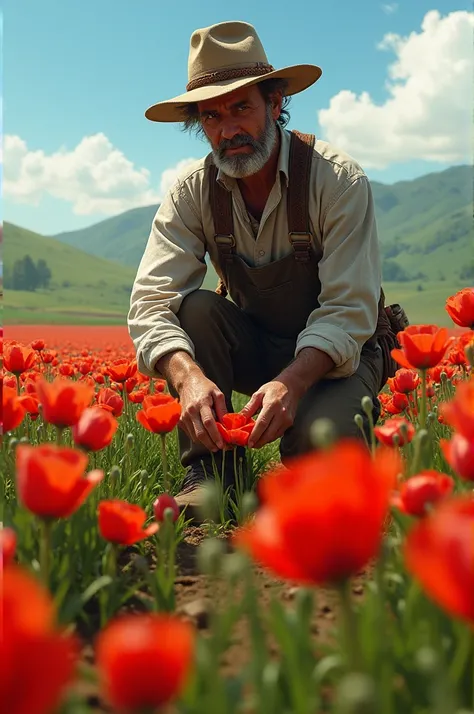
<point x="229" y="129"/>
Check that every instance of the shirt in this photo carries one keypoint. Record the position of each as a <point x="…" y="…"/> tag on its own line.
<point x="342" y="220"/>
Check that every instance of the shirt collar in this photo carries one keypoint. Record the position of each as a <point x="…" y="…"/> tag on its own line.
<point x="283" y="161"/>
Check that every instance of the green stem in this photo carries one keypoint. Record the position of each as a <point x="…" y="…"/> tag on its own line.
<point x="45" y="550"/>
<point x="164" y="462"/>
<point x="59" y="435"/>
<point x="349" y="625"/>
<point x="18" y="385"/>
<point x="423" y="400"/>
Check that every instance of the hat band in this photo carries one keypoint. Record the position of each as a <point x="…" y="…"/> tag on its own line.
<point x="261" y="68"/>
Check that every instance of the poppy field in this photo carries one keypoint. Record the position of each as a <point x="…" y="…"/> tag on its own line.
<point x="342" y="583"/>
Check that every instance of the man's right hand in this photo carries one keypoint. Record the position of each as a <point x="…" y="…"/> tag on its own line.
<point x="201" y="400"/>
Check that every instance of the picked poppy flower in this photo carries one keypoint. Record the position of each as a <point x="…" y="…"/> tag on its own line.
<point x="439" y="553"/>
<point x="32" y="649"/>
<point x="95" y="429"/>
<point x="421" y="491"/>
<point x="122" y="522"/>
<point x="111" y="401"/>
<point x="13" y="411"/>
<point x="399" y="427"/>
<point x="423" y="346"/>
<point x="7" y="546"/>
<point x="404" y="381"/>
<point x="144" y="660"/>
<point x="160" y="413"/>
<point x="235" y="429"/>
<point x="50" y="479"/>
<point x="459" y="411"/>
<point x="163" y="502"/>
<point x="460" y="308"/>
<point x="305" y="505"/>
<point x="63" y="401"/>
<point x="17" y="358"/>
<point x="459" y="453"/>
<point x="121" y="369"/>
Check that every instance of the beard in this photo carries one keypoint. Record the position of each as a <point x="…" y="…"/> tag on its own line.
<point x="242" y="165"/>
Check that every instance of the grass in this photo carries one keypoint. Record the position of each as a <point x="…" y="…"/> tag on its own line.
<point x="426" y="305"/>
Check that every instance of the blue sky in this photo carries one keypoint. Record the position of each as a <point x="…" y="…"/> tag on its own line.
<point x="90" y="69"/>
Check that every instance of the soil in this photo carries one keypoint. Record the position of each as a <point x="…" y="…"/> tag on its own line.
<point x="193" y="598"/>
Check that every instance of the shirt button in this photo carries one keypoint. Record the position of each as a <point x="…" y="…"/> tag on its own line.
<point x="261" y="252"/>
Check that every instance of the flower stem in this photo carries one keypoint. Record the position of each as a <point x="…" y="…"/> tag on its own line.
<point x="423" y="400"/>
<point x="18" y="385"/>
<point x="164" y="461"/>
<point x="59" y="435"/>
<point x="45" y="550"/>
<point x="349" y="626"/>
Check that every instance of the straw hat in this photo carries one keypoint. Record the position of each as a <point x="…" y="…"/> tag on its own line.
<point x="225" y="57"/>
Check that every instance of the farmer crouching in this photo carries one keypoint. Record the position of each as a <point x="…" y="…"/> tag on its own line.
<point x="288" y="223"/>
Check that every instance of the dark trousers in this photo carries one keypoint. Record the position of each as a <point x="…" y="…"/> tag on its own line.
<point x="237" y="355"/>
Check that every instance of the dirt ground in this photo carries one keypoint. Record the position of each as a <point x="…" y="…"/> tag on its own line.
<point x="193" y="600"/>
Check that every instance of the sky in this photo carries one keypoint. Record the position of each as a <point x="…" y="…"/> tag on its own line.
<point x="395" y="93"/>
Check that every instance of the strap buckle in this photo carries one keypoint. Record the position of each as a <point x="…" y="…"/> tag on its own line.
<point x="225" y="243"/>
<point x="301" y="244"/>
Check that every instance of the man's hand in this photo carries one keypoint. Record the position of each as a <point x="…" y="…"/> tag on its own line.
<point x="278" y="402"/>
<point x="201" y="402"/>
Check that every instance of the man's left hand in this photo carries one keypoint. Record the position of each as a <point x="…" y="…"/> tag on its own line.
<point x="278" y="402"/>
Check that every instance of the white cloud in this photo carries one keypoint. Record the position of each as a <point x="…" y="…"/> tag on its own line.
<point x="95" y="177"/>
<point x="428" y="112"/>
<point x="390" y="8"/>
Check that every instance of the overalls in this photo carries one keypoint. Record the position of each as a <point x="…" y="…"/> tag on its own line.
<point x="243" y="344"/>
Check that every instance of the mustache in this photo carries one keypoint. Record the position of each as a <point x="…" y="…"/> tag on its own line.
<point x="237" y="141"/>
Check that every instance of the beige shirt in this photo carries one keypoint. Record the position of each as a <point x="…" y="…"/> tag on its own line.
<point x="342" y="222"/>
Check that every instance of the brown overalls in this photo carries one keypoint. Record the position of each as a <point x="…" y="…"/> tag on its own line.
<point x="242" y="344"/>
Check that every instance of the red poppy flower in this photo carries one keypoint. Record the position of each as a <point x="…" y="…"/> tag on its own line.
<point x="423" y="346"/>
<point x="63" y="400"/>
<point x="459" y="453"/>
<point x="30" y="404"/>
<point x="144" y="660"/>
<point x="459" y="412"/>
<point x="95" y="429"/>
<point x="460" y="307"/>
<point x="122" y="522"/>
<point x="435" y="372"/>
<point x="160" y="413"/>
<point x="13" y="411"/>
<point x="420" y="491"/>
<point x="66" y="370"/>
<point x="235" y="429"/>
<point x="32" y="649"/>
<point x="439" y="552"/>
<point x="400" y="401"/>
<point x="121" y="369"/>
<point x="50" y="479"/>
<point x="395" y="427"/>
<point x="404" y="381"/>
<point x="17" y="358"/>
<point x="163" y="502"/>
<point x="7" y="546"/>
<point x="110" y="400"/>
<point x="37" y="345"/>
<point x="304" y="531"/>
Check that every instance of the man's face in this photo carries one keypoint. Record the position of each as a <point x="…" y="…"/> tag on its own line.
<point x="241" y="129"/>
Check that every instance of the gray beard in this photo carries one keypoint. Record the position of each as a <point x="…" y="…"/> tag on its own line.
<point x="243" y="165"/>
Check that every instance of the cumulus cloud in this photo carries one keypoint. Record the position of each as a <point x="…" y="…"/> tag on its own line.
<point x="428" y="111"/>
<point x="390" y="8"/>
<point x="95" y="177"/>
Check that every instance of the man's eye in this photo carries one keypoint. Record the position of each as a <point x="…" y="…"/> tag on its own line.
<point x="243" y="107"/>
<point x="209" y="115"/>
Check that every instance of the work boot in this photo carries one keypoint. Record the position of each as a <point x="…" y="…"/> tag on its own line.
<point x="192" y="496"/>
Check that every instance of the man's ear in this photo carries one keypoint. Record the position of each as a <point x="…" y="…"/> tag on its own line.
<point x="276" y="100"/>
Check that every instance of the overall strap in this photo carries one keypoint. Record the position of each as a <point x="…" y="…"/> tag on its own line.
<point x="301" y="154"/>
<point x="221" y="208"/>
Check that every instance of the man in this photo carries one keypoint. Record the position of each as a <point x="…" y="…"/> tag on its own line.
<point x="299" y="334"/>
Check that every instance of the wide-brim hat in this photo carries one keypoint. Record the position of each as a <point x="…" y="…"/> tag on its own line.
<point x="223" y="58"/>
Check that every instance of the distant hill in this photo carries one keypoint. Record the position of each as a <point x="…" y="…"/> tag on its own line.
<point x="83" y="288"/>
<point x="425" y="228"/>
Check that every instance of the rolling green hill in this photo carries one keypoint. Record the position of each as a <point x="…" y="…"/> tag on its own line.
<point x="83" y="288"/>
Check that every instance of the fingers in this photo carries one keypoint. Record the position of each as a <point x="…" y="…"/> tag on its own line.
<point x="253" y="405"/>
<point x="211" y="431"/>
<point x="270" y="425"/>
<point x="201" y="427"/>
<point x="261" y="425"/>
<point x="219" y="405"/>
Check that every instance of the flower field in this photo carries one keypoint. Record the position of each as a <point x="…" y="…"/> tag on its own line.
<point x="342" y="584"/>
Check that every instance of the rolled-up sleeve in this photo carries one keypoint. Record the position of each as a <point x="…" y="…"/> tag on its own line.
<point x="350" y="277"/>
<point x="172" y="266"/>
